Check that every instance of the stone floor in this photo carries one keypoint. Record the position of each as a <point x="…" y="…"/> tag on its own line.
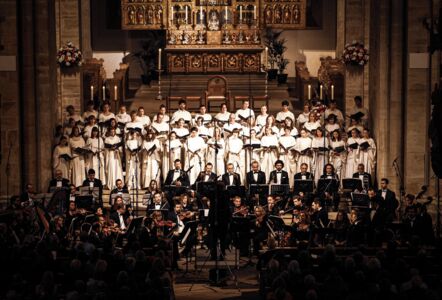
<point x="246" y="286"/>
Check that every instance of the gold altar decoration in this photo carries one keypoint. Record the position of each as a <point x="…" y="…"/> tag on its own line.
<point x="213" y="35"/>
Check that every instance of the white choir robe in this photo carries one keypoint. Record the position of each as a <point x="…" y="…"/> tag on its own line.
<point x="320" y="158"/>
<point x="96" y="161"/>
<point x="160" y="127"/>
<point x="133" y="168"/>
<point x="287" y="156"/>
<point x="145" y="120"/>
<point x="123" y="118"/>
<point x="336" y="112"/>
<point x="78" y="167"/>
<point x="310" y="126"/>
<point x="360" y="128"/>
<point x="229" y="127"/>
<point x="282" y="115"/>
<point x="181" y="114"/>
<point x="302" y="144"/>
<point x="302" y="118"/>
<point x="207" y="118"/>
<point x="104" y="118"/>
<point x="236" y="156"/>
<point x="114" y="169"/>
<point x="261" y="120"/>
<point x="352" y="158"/>
<point x="151" y="163"/>
<point x="87" y="130"/>
<point x="338" y="159"/>
<point x="88" y="113"/>
<point x="244" y="113"/>
<point x="223" y="117"/>
<point x="195" y="149"/>
<point x="218" y="166"/>
<point x="205" y="132"/>
<point x="171" y="151"/>
<point x="134" y="125"/>
<point x="332" y="127"/>
<point x="368" y="157"/>
<point x="59" y="163"/>
<point x="294" y="132"/>
<point x="268" y="156"/>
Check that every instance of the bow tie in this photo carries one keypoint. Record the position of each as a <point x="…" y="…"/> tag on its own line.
<point x="279" y="172"/>
<point x="255" y="173"/>
<point x="177" y="171"/>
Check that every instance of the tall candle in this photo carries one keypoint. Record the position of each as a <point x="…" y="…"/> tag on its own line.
<point x="92" y="92"/>
<point x="104" y="92"/>
<point x="309" y="89"/>
<point x="227" y="15"/>
<point x="186" y="14"/>
<point x="320" y="92"/>
<point x="266" y="57"/>
<point x="254" y="12"/>
<point x="201" y="15"/>
<point x="332" y="92"/>
<point x="172" y="14"/>
<point x="115" y="92"/>
<point x="159" y="59"/>
<point x="240" y="13"/>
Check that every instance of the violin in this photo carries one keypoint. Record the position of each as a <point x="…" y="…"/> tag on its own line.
<point x="185" y="215"/>
<point x="241" y="210"/>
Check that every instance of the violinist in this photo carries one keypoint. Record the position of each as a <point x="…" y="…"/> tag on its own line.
<point x="120" y="217"/>
<point x="272" y="208"/>
<point x="187" y="205"/>
<point x="158" y="203"/>
<point x="239" y="210"/>
<point x="260" y="228"/>
<point x="175" y="217"/>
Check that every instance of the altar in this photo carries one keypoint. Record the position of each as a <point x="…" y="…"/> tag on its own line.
<point x="214" y="36"/>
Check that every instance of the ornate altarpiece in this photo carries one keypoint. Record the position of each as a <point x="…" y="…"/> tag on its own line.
<point x="216" y="36"/>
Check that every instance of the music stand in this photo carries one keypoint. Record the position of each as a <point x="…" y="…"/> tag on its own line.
<point x="260" y="189"/>
<point x="54" y="189"/>
<point x="280" y="189"/>
<point x="352" y="184"/>
<point x="147" y="199"/>
<point x="327" y="185"/>
<point x="176" y="190"/>
<point x="236" y="190"/>
<point x="304" y="186"/>
<point x="278" y="222"/>
<point x="85" y="202"/>
<point x="207" y="188"/>
<point x="360" y="200"/>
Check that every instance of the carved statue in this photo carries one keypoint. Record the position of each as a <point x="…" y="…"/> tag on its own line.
<point x="159" y="15"/>
<point x="131" y="15"/>
<point x="226" y="37"/>
<point x="186" y="38"/>
<point x="178" y="62"/>
<point x="278" y="15"/>
<point x="200" y="38"/>
<point x="268" y="15"/>
<point x="196" y="61"/>
<point x="256" y="37"/>
<point x="240" y="37"/>
<point x="231" y="61"/>
<point x="140" y="16"/>
<point x="287" y="15"/>
<point x="213" y="61"/>
<point x="213" y="23"/>
<point x="296" y="14"/>
<point x="172" y="39"/>
<point x="150" y="15"/>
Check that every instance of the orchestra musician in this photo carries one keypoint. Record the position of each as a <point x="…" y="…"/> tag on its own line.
<point x="207" y="175"/>
<point x="256" y="176"/>
<point x="177" y="176"/>
<point x="279" y="176"/>
<point x="58" y="181"/>
<point x="304" y="174"/>
<point x="231" y="178"/>
<point x="386" y="201"/>
<point x="158" y="203"/>
<point x="240" y="235"/>
<point x="120" y="217"/>
<point x="120" y="189"/>
<point x="93" y="182"/>
<point x="363" y="176"/>
<point x="260" y="229"/>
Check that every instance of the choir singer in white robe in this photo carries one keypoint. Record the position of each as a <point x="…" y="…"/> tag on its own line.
<point x="133" y="169"/>
<point x="61" y="156"/>
<point x="352" y="154"/>
<point x="367" y="152"/>
<point x="235" y="154"/>
<point x="286" y="143"/>
<point x="151" y="160"/>
<point x="95" y="160"/>
<point x="269" y="150"/>
<point x="195" y="158"/>
<point x="320" y="145"/>
<point x="114" y="169"/>
<point x="303" y="147"/>
<point x="77" y="163"/>
<point x="216" y="142"/>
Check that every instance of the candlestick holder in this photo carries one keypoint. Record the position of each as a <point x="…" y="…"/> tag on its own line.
<point x="159" y="96"/>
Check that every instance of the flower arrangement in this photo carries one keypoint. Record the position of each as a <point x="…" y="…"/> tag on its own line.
<point x="69" y="56"/>
<point x="355" y="54"/>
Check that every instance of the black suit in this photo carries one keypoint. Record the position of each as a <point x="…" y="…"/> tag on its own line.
<point x="284" y="177"/>
<point x="202" y="176"/>
<point x="251" y="178"/>
<point x="53" y="183"/>
<point x="99" y="185"/>
<point x="236" y="179"/>
<point x="388" y="205"/>
<point x="183" y="178"/>
<point x="367" y="178"/>
<point x="308" y="176"/>
<point x="320" y="218"/>
<point x="115" y="216"/>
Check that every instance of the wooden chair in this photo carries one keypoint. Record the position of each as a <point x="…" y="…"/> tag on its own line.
<point x="193" y="103"/>
<point x="217" y="92"/>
